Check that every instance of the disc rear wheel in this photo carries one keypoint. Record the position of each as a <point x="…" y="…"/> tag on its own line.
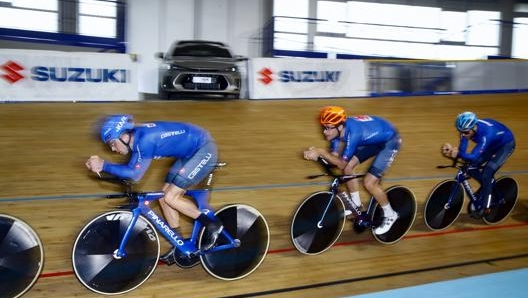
<point x="21" y="257"/>
<point x="247" y="225"/>
<point x="504" y="198"/>
<point x="402" y="201"/>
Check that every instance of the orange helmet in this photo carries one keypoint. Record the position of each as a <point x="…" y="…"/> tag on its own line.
<point x="332" y="115"/>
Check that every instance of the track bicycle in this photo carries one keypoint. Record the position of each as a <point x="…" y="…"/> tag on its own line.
<point x="444" y="204"/>
<point x="320" y="218"/>
<point x="118" y="251"/>
<point x="21" y="256"/>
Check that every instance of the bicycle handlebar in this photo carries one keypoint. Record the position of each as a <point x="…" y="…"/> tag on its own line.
<point x="115" y="179"/>
<point x="315" y="176"/>
<point x="126" y="183"/>
<point x="328" y="169"/>
<point x="459" y="164"/>
<point x="455" y="164"/>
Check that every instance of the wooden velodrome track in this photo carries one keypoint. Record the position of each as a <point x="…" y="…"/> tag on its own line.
<point x="44" y="146"/>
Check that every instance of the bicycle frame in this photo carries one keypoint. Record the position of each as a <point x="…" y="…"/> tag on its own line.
<point x="187" y="246"/>
<point x="334" y="188"/>
<point x="462" y="178"/>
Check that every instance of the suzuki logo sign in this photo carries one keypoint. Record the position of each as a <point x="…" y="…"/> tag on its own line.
<point x="11" y="72"/>
<point x="265" y="76"/>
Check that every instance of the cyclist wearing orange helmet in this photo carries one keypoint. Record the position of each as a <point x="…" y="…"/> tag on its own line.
<point x="354" y="140"/>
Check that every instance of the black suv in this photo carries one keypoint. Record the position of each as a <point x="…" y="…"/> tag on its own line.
<point x="198" y="66"/>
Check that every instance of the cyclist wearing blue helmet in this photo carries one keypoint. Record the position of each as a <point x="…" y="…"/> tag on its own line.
<point x="494" y="143"/>
<point x="193" y="148"/>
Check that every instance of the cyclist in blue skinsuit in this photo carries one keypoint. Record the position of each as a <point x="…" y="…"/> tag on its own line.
<point x="193" y="148"/>
<point x="494" y="144"/>
<point x="361" y="137"/>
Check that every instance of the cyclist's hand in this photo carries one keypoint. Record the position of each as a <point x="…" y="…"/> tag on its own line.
<point x="311" y="154"/>
<point x="95" y="164"/>
<point x="447" y="149"/>
<point x="454" y="152"/>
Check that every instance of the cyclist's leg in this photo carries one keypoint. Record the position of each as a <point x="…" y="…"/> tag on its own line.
<point x="371" y="182"/>
<point x="185" y="173"/>
<point x="188" y="172"/>
<point x="492" y="166"/>
<point x="352" y="198"/>
<point x="171" y="213"/>
<point x="362" y="154"/>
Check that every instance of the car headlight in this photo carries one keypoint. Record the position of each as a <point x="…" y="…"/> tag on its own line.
<point x="231" y="69"/>
<point x="168" y="66"/>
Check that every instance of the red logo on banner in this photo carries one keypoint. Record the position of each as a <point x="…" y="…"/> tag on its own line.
<point x="11" y="72"/>
<point x="265" y="76"/>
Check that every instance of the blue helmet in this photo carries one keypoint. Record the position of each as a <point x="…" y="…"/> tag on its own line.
<point x="114" y="125"/>
<point x="466" y="121"/>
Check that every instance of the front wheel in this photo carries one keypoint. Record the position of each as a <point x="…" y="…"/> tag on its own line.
<point x="444" y="204"/>
<point x="505" y="194"/>
<point x="21" y="256"/>
<point x="93" y="258"/>
<point x="317" y="223"/>
<point x="402" y="201"/>
<point x="247" y="225"/>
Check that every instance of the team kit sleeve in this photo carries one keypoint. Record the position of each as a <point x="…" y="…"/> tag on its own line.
<point x="135" y="169"/>
<point x="351" y="143"/>
<point x="483" y="143"/>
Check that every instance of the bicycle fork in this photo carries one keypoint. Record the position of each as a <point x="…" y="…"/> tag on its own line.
<point x="333" y="189"/>
<point x="120" y="252"/>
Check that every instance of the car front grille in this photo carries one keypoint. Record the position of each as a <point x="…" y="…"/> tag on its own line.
<point x="218" y="82"/>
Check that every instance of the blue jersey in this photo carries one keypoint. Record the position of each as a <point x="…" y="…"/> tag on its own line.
<point x="363" y="130"/>
<point x="489" y="136"/>
<point x="157" y="140"/>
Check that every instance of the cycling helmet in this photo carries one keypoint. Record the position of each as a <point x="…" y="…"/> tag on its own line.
<point x="332" y="115"/>
<point x="466" y="121"/>
<point x="114" y="125"/>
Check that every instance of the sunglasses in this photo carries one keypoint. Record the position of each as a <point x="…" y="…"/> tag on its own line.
<point x="325" y="128"/>
<point x="466" y="132"/>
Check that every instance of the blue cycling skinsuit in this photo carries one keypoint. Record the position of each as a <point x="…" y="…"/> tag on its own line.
<point x="494" y="143"/>
<point x="192" y="146"/>
<point x="366" y="136"/>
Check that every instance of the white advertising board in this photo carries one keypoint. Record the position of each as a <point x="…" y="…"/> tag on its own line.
<point x="34" y="75"/>
<point x="306" y="78"/>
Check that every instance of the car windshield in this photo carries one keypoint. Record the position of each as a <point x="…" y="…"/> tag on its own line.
<point x="201" y="50"/>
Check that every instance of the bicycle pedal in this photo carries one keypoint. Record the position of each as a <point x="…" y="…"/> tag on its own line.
<point x="478" y="214"/>
<point x="360" y="225"/>
<point x="359" y="229"/>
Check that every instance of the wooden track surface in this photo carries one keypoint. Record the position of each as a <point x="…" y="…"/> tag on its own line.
<point x="44" y="146"/>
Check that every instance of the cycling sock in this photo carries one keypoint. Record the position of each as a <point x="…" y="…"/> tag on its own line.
<point x="356" y="199"/>
<point x="387" y="210"/>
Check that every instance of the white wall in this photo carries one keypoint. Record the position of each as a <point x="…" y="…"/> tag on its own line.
<point x="154" y="24"/>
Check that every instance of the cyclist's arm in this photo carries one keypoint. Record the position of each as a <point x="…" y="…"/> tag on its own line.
<point x="135" y="169"/>
<point x="333" y="159"/>
<point x="472" y="156"/>
<point x="341" y="160"/>
<point x="351" y="143"/>
<point x="334" y="146"/>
